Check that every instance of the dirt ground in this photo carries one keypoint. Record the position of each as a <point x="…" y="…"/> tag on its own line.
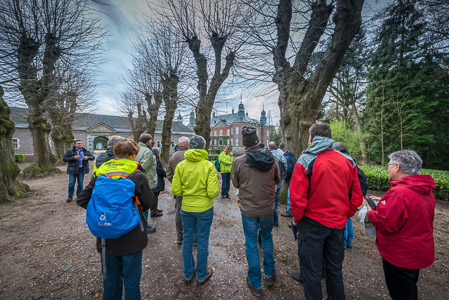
<point x="47" y="252"/>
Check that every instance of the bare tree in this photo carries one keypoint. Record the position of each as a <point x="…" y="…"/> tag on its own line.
<point x="214" y="21"/>
<point x="35" y="35"/>
<point x="276" y="26"/>
<point x="72" y="91"/>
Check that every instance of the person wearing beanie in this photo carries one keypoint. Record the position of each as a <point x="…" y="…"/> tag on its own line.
<point x="256" y="174"/>
<point x="196" y="181"/>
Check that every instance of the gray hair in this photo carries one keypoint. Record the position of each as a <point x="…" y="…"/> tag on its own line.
<point x="409" y="161"/>
<point x="339" y="147"/>
<point x="114" y="140"/>
<point x="183" y="139"/>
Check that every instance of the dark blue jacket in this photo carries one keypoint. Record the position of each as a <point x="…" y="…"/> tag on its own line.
<point x="160" y="177"/>
<point x="72" y="167"/>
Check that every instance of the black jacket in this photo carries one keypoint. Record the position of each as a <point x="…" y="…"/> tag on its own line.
<point x="135" y="240"/>
<point x="104" y="157"/>
<point x="73" y="167"/>
<point x="160" y="177"/>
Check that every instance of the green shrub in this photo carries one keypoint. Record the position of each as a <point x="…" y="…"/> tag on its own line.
<point x="213" y="157"/>
<point x="19" y="157"/>
<point x="378" y="180"/>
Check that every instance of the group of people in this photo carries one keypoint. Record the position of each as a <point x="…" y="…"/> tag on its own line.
<point x="325" y="190"/>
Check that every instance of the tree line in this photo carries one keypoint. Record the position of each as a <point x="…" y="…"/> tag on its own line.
<point x="188" y="50"/>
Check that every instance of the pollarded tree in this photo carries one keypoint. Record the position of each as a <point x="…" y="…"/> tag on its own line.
<point x="9" y="186"/>
<point x="35" y="35"/>
<point x="276" y="26"/>
<point x="214" y="21"/>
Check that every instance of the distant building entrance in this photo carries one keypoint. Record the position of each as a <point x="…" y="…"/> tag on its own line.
<point x="100" y="143"/>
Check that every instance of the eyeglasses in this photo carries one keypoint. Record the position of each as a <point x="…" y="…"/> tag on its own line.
<point x="388" y="165"/>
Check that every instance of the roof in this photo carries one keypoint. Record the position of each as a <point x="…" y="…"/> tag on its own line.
<point x="231" y="118"/>
<point x="85" y="121"/>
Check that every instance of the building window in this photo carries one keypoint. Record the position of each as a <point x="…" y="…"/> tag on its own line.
<point x="229" y="142"/>
<point x="15" y="143"/>
<point x="268" y="133"/>
<point x="215" y="132"/>
<point x="237" y="142"/>
<point x="232" y="130"/>
<point x="227" y="132"/>
<point x="158" y="143"/>
<point x="236" y="130"/>
<point x="221" y="132"/>
<point x="172" y="144"/>
<point x="267" y="143"/>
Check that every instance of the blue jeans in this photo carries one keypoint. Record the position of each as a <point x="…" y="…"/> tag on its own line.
<point x="225" y="184"/>
<point x="145" y="214"/>
<point x="251" y="225"/>
<point x="202" y="221"/>
<point x="349" y="233"/>
<point x="125" y="269"/>
<point x="73" y="178"/>
<point x="275" y="213"/>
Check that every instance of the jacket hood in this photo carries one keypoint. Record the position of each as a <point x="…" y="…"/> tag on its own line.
<point x="196" y="155"/>
<point x="422" y="184"/>
<point x="261" y="160"/>
<point x="319" y="144"/>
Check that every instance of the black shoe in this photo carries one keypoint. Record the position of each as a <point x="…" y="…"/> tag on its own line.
<point x="228" y="197"/>
<point x="208" y="276"/>
<point x="178" y="242"/>
<point x="189" y="280"/>
<point x="297" y="276"/>
<point x="195" y="244"/>
<point x="157" y="214"/>
<point x="287" y="214"/>
<point x="151" y="229"/>
<point x="269" y="281"/>
<point x="254" y="291"/>
<point x="160" y="210"/>
<point x="69" y="199"/>
<point x="348" y="247"/>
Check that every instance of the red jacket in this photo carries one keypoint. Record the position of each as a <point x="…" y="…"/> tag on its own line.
<point x="320" y="185"/>
<point x="404" y="222"/>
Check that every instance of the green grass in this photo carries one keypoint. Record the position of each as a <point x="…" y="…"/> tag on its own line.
<point x="378" y="180"/>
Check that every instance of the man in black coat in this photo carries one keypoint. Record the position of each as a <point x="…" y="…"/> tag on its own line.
<point x="78" y="158"/>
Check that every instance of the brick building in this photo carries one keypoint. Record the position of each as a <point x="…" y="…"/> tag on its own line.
<point x="227" y="129"/>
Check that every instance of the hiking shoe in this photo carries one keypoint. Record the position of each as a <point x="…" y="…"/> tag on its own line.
<point x="157" y="214"/>
<point x="189" y="280"/>
<point x="297" y="276"/>
<point x="178" y="242"/>
<point x="160" y="210"/>
<point x="269" y="281"/>
<point x="151" y="229"/>
<point x="254" y="291"/>
<point x="208" y="276"/>
<point x="228" y="197"/>
<point x="69" y="199"/>
<point x="287" y="214"/>
<point x="195" y="243"/>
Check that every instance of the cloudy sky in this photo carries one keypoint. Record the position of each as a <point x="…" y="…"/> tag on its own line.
<point x="122" y="19"/>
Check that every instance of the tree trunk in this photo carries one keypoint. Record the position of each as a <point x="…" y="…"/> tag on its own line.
<point x="9" y="187"/>
<point x="300" y="98"/>
<point x="62" y="137"/>
<point x="170" y="96"/>
<point x="153" y="111"/>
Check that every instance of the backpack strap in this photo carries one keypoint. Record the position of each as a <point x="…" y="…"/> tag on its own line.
<point x="137" y="204"/>
<point x="103" y="257"/>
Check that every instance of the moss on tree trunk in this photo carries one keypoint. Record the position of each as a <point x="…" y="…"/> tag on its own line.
<point x="9" y="187"/>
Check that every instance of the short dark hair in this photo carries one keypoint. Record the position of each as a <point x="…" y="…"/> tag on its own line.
<point x="76" y="141"/>
<point x="145" y="137"/>
<point x="320" y="129"/>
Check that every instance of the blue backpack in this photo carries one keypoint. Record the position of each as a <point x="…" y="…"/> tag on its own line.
<point x="111" y="212"/>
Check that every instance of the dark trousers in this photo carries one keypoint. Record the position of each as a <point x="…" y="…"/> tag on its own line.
<point x="316" y="242"/>
<point x="225" y="184"/>
<point x="401" y="282"/>
<point x="178" y="220"/>
<point x="153" y="209"/>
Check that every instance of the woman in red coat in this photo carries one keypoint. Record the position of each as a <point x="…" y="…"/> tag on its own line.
<point x="404" y="222"/>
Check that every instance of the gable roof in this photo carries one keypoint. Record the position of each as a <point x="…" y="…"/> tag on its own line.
<point x="86" y="121"/>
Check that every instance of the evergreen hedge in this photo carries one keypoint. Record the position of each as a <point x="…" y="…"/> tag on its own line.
<point x="378" y="180"/>
<point x="19" y="157"/>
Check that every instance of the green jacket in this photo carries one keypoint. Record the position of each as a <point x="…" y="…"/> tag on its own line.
<point x="196" y="181"/>
<point x="147" y="161"/>
<point x="225" y="162"/>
